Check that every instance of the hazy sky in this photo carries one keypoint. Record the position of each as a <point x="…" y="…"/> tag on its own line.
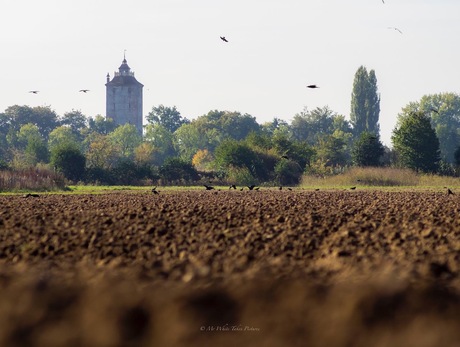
<point x="275" y="49"/>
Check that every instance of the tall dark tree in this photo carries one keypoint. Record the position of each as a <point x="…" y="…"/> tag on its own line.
<point x="365" y="102"/>
<point x="416" y="143"/>
<point x="168" y="117"/>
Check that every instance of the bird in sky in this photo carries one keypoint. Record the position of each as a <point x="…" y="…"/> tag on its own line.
<point x="223" y="38"/>
<point x="312" y="86"/>
<point x="84" y="90"/>
<point x="395" y="29"/>
<point x="383" y="1"/>
<point x="34" y="91"/>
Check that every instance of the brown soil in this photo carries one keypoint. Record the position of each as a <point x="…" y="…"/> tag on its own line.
<point x="231" y="268"/>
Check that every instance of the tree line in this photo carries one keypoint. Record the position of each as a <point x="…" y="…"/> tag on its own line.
<point x="233" y="147"/>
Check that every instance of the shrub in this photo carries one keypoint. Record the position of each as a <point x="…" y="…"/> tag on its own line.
<point x="68" y="159"/>
<point x="176" y="169"/>
<point x="288" y="172"/>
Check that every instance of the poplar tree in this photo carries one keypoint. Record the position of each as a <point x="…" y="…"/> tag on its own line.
<point x="365" y="102"/>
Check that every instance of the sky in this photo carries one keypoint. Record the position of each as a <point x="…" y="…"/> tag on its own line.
<point x="276" y="48"/>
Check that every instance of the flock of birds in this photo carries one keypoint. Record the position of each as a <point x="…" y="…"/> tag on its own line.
<point x="254" y="187"/>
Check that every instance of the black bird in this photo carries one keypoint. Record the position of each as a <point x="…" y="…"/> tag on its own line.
<point x="312" y="86"/>
<point x="28" y="195"/>
<point x="232" y="187"/>
<point x="383" y="1"/>
<point x="316" y="189"/>
<point x="353" y="188"/>
<point x="34" y="91"/>
<point x="155" y="192"/>
<point x="285" y="157"/>
<point x="280" y="188"/>
<point x="434" y="110"/>
<point x="395" y="29"/>
<point x="242" y="188"/>
<point x="256" y="188"/>
<point x="84" y="90"/>
<point x="251" y="187"/>
<point x="223" y="38"/>
<point x="208" y="187"/>
<point x="449" y="192"/>
<point x="289" y="189"/>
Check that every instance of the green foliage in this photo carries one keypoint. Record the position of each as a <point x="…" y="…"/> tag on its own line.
<point x="331" y="151"/>
<point x="234" y="153"/>
<point x="367" y="150"/>
<point x="62" y="135"/>
<point x="457" y="156"/>
<point x="444" y="112"/>
<point x="240" y="176"/>
<point x="162" y="141"/>
<point x="41" y="116"/>
<point x="175" y="169"/>
<point x="68" y="160"/>
<point x="416" y="143"/>
<point x="365" y="102"/>
<point x="310" y="125"/>
<point x="36" y="152"/>
<point x="101" y="125"/>
<point x="288" y="172"/>
<point x="167" y="117"/>
<point x="126" y="138"/>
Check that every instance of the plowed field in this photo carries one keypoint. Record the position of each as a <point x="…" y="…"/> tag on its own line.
<point x="231" y="268"/>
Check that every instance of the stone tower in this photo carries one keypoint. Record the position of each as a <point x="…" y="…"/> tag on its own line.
<point x="124" y="97"/>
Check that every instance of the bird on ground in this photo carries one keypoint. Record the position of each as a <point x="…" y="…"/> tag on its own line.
<point x="154" y="191"/>
<point x="449" y="192"/>
<point x="242" y="188"/>
<point x="316" y="189"/>
<point x="34" y="91"/>
<point x="395" y="29"/>
<point x="29" y="195"/>
<point x="208" y="187"/>
<point x="84" y="90"/>
<point x="290" y="189"/>
<point x="232" y="187"/>
<point x="280" y="188"/>
<point x="251" y="187"/>
<point x="353" y="188"/>
<point x="257" y="188"/>
<point x="223" y="39"/>
<point x="312" y="86"/>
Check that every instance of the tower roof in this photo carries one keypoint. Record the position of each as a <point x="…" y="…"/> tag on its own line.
<point x="124" y="76"/>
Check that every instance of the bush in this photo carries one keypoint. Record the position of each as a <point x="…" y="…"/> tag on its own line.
<point x="69" y="160"/>
<point x="178" y="169"/>
<point x="288" y="172"/>
<point x="241" y="176"/>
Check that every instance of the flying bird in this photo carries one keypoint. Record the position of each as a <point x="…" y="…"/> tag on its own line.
<point x="34" y="91"/>
<point x="383" y="1"/>
<point x="251" y="187"/>
<point x="223" y="38"/>
<point x="312" y="86"/>
<point x="394" y="28"/>
<point x="84" y="90"/>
